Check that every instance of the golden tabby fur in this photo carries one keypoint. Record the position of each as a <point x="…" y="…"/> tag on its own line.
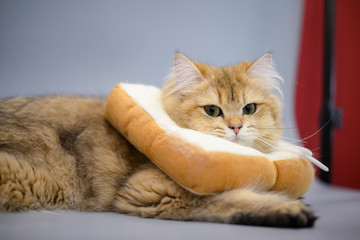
<point x="231" y="88"/>
<point x="61" y="153"/>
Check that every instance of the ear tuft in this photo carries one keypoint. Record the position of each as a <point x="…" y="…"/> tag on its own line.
<point x="184" y="74"/>
<point x="264" y="69"/>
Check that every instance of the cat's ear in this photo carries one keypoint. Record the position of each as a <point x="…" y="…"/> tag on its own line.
<point x="185" y="74"/>
<point x="264" y="69"/>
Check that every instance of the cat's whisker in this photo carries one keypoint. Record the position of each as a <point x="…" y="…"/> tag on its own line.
<point x="279" y="136"/>
<point x="275" y="136"/>
<point x="273" y="127"/>
<point x="258" y="146"/>
<point x="218" y="132"/>
<point x="318" y="131"/>
<point x="314" y="151"/>
<point x="267" y="125"/>
<point x="302" y="140"/>
<point x="267" y="143"/>
<point x="294" y="150"/>
<point x="270" y="126"/>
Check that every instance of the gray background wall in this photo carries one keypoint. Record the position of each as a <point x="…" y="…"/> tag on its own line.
<point x="86" y="46"/>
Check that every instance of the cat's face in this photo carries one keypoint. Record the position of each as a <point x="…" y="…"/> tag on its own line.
<point x="230" y="102"/>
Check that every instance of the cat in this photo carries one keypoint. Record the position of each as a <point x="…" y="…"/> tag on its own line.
<point x="59" y="152"/>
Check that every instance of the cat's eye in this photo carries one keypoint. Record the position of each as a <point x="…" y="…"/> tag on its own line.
<point x="249" y="109"/>
<point x="213" y="110"/>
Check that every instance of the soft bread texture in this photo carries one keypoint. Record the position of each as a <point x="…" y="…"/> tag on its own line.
<point x="201" y="163"/>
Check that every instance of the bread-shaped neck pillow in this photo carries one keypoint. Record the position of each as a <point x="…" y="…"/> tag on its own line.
<point x="199" y="162"/>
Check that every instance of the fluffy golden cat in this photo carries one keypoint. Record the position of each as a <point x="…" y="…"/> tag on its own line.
<point x="59" y="152"/>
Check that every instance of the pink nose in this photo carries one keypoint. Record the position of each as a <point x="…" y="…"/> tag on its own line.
<point x="235" y="128"/>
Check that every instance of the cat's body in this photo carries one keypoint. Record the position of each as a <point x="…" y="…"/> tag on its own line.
<point x="61" y="153"/>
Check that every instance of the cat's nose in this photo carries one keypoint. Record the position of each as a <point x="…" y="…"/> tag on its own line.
<point x="235" y="128"/>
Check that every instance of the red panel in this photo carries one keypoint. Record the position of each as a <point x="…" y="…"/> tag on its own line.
<point x="346" y="154"/>
<point x="310" y="74"/>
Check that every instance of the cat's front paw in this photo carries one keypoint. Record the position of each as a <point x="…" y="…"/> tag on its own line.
<point x="292" y="214"/>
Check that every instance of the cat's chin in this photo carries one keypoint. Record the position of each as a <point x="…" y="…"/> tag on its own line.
<point x="240" y="141"/>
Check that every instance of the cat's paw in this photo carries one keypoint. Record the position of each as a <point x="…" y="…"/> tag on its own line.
<point x="293" y="214"/>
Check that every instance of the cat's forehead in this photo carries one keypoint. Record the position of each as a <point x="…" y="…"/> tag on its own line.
<point x="235" y="91"/>
<point x="221" y="94"/>
<point x="233" y="87"/>
<point x="230" y="86"/>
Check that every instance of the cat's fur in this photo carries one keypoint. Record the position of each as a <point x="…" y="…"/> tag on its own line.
<point x="231" y="88"/>
<point x="61" y="153"/>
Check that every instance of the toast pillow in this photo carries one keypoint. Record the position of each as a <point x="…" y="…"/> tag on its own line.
<point x="199" y="162"/>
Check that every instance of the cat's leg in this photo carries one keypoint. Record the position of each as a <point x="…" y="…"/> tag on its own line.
<point x="24" y="187"/>
<point x="244" y="206"/>
<point x="150" y="193"/>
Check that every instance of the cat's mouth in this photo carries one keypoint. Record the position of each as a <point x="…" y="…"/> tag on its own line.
<point x="241" y="140"/>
